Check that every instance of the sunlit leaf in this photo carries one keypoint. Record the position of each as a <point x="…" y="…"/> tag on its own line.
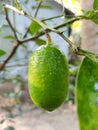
<point x="95" y="5"/>
<point x="2" y="52"/>
<point x="34" y="27"/>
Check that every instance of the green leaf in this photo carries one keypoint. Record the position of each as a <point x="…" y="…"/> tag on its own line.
<point x="91" y="14"/>
<point x="34" y="27"/>
<point x="17" y="5"/>
<point x="94" y="18"/>
<point x="46" y="7"/>
<point x="37" y="0"/>
<point x="40" y="42"/>
<point x="95" y="5"/>
<point x="8" y="37"/>
<point x="2" y="52"/>
<point x="26" y="1"/>
<point x="87" y="95"/>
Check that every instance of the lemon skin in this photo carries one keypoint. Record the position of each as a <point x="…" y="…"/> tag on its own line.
<point x="48" y="77"/>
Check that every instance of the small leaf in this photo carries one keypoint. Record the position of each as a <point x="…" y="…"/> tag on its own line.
<point x="34" y="28"/>
<point x="9" y="37"/>
<point x="46" y="7"/>
<point x="91" y="14"/>
<point x="2" y="52"/>
<point x="26" y="1"/>
<point x="40" y="41"/>
<point x="95" y="5"/>
<point x="17" y="5"/>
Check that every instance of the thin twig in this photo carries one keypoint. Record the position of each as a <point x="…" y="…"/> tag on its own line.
<point x="50" y="18"/>
<point x="16" y="43"/>
<point x="43" y="32"/>
<point x="21" y="12"/>
<point x="32" y="37"/>
<point x="6" y="16"/>
<point x="15" y="47"/>
<point x="36" y="12"/>
<point x="13" y="15"/>
<point x="38" y="7"/>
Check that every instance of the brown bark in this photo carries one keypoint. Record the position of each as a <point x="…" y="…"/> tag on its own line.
<point x="89" y="30"/>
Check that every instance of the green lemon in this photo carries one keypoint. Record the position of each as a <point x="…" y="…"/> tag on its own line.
<point x="48" y="77"/>
<point x="87" y="95"/>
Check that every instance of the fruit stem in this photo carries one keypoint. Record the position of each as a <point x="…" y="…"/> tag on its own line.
<point x="48" y="36"/>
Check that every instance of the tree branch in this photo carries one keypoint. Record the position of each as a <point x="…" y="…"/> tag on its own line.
<point x="21" y="12"/>
<point x="38" y="7"/>
<point x="43" y="32"/>
<point x="16" y="43"/>
<point x="36" y="12"/>
<point x="6" y="17"/>
<point x="15" y="47"/>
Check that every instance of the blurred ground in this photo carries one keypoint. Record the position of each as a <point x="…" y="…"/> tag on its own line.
<point x="27" y="116"/>
<point x="33" y="118"/>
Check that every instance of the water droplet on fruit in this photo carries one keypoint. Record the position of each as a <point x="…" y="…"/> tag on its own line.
<point x="96" y="86"/>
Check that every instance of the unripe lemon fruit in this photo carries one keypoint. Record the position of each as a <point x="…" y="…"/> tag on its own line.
<point x="48" y="77"/>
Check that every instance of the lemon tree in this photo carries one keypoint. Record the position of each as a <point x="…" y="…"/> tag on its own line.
<point x="48" y="74"/>
<point x="48" y="77"/>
